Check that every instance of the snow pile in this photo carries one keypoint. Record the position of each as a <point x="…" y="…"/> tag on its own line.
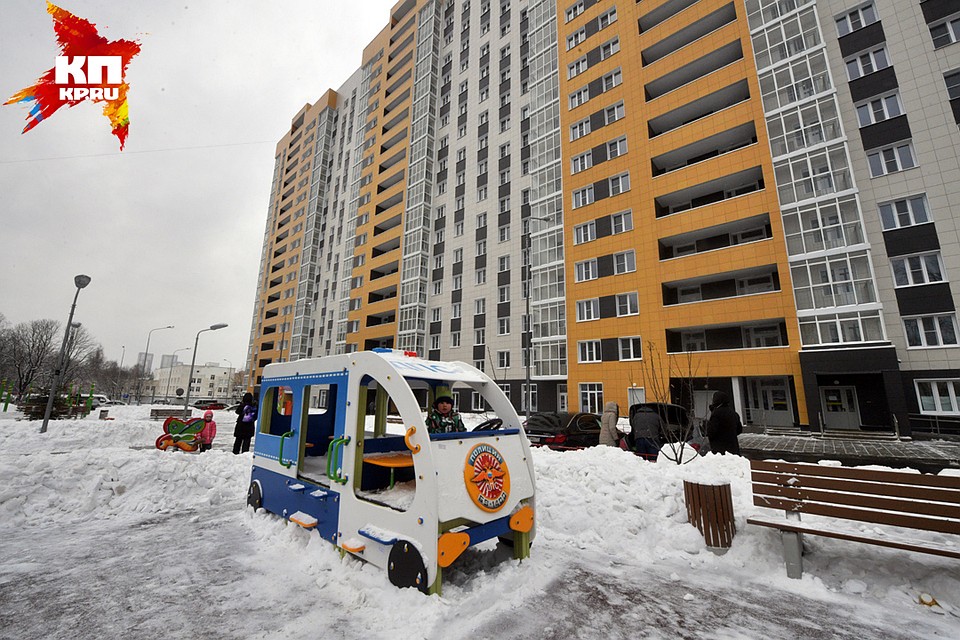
<point x="151" y="534"/>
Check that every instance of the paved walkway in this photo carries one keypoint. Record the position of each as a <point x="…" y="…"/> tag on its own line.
<point x="924" y="455"/>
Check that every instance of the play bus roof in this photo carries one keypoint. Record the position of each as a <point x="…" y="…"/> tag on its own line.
<point x="405" y="363"/>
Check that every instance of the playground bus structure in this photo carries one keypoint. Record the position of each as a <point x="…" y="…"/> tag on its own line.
<point x="411" y="503"/>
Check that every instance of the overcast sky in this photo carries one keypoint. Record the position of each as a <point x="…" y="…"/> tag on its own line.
<point x="170" y="229"/>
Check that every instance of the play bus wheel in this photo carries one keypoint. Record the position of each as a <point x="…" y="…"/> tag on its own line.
<point x="254" y="495"/>
<point x="405" y="567"/>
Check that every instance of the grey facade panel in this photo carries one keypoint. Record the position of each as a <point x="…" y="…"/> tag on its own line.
<point x="902" y="242"/>
<point x="930" y="298"/>
<point x="884" y="133"/>
<point x="873" y="84"/>
<point x="862" y="39"/>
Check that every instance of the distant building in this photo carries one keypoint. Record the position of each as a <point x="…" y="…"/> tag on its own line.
<point x="210" y="382"/>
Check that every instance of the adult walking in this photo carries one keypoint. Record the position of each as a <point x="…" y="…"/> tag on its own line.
<point x="723" y="426"/>
<point x="246" y="419"/>
<point x="609" y="433"/>
<point x="646" y="426"/>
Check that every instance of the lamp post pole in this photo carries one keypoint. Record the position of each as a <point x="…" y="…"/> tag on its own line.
<point x="528" y="394"/>
<point x="146" y="354"/>
<point x="166" y="393"/>
<point x="193" y="361"/>
<point x="80" y="282"/>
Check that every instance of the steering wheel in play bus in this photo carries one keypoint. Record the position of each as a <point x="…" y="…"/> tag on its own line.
<point x="489" y="425"/>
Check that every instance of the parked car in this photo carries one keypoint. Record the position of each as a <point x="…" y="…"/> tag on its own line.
<point x="212" y="405"/>
<point x="562" y="431"/>
<point x="113" y="403"/>
<point x="677" y="425"/>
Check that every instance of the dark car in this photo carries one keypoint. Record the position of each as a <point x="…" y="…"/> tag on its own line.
<point x="677" y="425"/>
<point x="212" y="405"/>
<point x="562" y="431"/>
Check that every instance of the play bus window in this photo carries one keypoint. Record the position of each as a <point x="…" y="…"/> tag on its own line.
<point x="386" y="470"/>
<point x="276" y="411"/>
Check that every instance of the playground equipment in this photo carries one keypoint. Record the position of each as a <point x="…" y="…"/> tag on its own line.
<point x="180" y="434"/>
<point x="409" y="502"/>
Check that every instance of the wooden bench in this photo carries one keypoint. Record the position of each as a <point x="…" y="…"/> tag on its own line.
<point x="895" y="498"/>
<point x="158" y="414"/>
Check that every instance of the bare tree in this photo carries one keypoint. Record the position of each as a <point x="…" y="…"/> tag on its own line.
<point x="79" y="355"/>
<point x="670" y="379"/>
<point x="6" y="363"/>
<point x="32" y="352"/>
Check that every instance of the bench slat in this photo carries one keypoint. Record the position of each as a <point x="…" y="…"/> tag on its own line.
<point x="908" y="545"/>
<point x="873" y="475"/>
<point x="882" y="503"/>
<point x="925" y="523"/>
<point x="913" y="492"/>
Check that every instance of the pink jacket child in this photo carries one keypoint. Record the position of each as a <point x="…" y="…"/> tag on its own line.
<point x="208" y="433"/>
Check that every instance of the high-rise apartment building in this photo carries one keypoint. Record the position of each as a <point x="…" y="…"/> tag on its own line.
<point x="600" y="200"/>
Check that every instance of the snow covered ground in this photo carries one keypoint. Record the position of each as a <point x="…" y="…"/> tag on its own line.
<point x="103" y="536"/>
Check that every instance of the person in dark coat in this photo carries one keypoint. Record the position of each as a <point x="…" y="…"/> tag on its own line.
<point x="645" y="427"/>
<point x="246" y="422"/>
<point x="443" y="418"/>
<point x="724" y="425"/>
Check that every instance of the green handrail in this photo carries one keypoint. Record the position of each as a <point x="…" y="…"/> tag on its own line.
<point x="335" y="459"/>
<point x="288" y="434"/>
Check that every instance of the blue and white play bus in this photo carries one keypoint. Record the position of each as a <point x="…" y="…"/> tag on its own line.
<point x="409" y="501"/>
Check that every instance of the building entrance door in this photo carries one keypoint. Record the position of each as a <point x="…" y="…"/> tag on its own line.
<point x="839" y="407"/>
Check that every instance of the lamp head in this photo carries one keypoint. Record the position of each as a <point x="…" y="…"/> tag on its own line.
<point x="219" y="325"/>
<point x="81" y="281"/>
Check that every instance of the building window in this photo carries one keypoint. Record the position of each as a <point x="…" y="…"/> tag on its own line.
<point x="619" y="184"/>
<point x="904" y="213"/>
<point x="583" y="197"/>
<point x="609" y="48"/>
<point x="879" y="109"/>
<point x="585" y="232"/>
<point x="631" y="348"/>
<point x="586" y="270"/>
<point x="607" y="18"/>
<point x="616" y="148"/>
<point x="627" y="304"/>
<point x="481" y="276"/>
<point x="581" y="162"/>
<point x="503" y="359"/>
<point x="856" y="19"/>
<point x="945" y="33"/>
<point x="479" y="336"/>
<point x="575" y="10"/>
<point x="953" y="84"/>
<point x="611" y="80"/>
<point x="588" y="351"/>
<point x="576" y="68"/>
<point x="579" y="129"/>
<point x="503" y="233"/>
<point x="456" y="309"/>
<point x="841" y="280"/>
<point x="931" y="331"/>
<point x="588" y="310"/>
<point x="457" y="282"/>
<point x="435" y="342"/>
<point x="827" y="224"/>
<point x="576" y="38"/>
<point x="455" y="339"/>
<point x="503" y="293"/>
<point x="613" y="113"/>
<point x="891" y="160"/>
<point x="503" y="263"/>
<point x="938" y="396"/>
<point x="436" y="314"/>
<point x="579" y="97"/>
<point x="621" y="222"/>
<point x="867" y="63"/>
<point x="591" y="397"/>
<point x="480" y="306"/>
<point x="915" y="270"/>
<point x="624" y="262"/>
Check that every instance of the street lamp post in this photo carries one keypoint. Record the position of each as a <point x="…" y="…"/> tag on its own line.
<point x="193" y="361"/>
<point x="528" y="393"/>
<point x="166" y="393"/>
<point x="80" y="281"/>
<point x="146" y="354"/>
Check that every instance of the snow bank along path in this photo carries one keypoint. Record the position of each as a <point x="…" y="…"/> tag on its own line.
<point x="104" y="535"/>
